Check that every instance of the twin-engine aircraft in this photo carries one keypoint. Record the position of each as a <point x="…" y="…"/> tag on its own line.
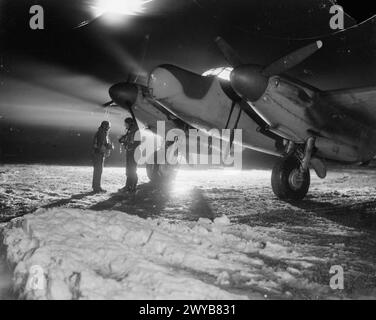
<point x="300" y="124"/>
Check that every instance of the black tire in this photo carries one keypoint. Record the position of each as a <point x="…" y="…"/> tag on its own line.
<point x="286" y="183"/>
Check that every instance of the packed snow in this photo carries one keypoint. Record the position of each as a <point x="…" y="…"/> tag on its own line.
<point x="216" y="234"/>
<point x="111" y="255"/>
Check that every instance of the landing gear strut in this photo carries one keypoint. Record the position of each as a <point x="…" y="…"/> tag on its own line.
<point x="161" y="173"/>
<point x="291" y="177"/>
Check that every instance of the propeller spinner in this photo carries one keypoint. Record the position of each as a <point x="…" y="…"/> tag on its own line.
<point x="123" y="94"/>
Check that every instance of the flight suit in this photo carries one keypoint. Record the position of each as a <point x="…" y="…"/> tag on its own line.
<point x="101" y="147"/>
<point x="130" y="146"/>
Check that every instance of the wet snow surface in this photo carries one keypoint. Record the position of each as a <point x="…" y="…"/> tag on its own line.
<point x="217" y="234"/>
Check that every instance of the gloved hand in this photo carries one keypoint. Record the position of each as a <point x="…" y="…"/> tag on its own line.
<point x="122" y="140"/>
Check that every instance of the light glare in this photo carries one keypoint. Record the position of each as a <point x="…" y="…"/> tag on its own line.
<point x="223" y="73"/>
<point x="125" y="7"/>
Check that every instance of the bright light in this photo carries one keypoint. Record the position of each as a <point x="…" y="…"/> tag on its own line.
<point x="125" y="7"/>
<point x="222" y="73"/>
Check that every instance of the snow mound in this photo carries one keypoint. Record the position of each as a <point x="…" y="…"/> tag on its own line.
<point x="81" y="254"/>
<point x="224" y="220"/>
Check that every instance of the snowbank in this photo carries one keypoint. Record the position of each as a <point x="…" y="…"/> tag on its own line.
<point x="82" y="254"/>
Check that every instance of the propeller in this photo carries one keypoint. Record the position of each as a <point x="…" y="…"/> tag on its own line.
<point x="125" y="94"/>
<point x="139" y="78"/>
<point x="229" y="53"/>
<point x="250" y="81"/>
<point x="292" y="60"/>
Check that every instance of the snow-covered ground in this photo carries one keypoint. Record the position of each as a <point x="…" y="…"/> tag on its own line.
<point x="217" y="234"/>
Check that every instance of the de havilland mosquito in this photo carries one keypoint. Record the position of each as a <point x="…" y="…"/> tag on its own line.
<point x="278" y="115"/>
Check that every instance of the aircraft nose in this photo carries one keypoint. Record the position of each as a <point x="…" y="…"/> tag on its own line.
<point x="124" y="94"/>
<point x="163" y="84"/>
<point x="248" y="82"/>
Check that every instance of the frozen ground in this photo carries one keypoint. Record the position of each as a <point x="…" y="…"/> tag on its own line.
<point x="162" y="243"/>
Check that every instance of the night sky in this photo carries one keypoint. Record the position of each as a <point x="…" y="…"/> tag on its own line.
<point x="54" y="81"/>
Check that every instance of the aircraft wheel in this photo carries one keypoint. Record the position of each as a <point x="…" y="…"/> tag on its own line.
<point x="158" y="173"/>
<point x="288" y="182"/>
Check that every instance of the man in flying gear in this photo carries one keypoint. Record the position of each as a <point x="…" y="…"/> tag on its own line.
<point x="102" y="148"/>
<point x="130" y="145"/>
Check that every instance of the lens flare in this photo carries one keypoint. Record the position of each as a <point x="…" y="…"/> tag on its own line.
<point x="125" y="7"/>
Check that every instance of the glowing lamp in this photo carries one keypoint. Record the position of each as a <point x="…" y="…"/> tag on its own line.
<point x="124" y="7"/>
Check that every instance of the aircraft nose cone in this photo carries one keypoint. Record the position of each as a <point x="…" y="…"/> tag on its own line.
<point x="124" y="94"/>
<point x="163" y="84"/>
<point x="248" y="82"/>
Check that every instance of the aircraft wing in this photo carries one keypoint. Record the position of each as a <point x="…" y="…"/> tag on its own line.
<point x="359" y="103"/>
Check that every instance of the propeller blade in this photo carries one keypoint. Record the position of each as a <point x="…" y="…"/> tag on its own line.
<point x="292" y="60"/>
<point x="139" y="79"/>
<point x="141" y="75"/>
<point x="228" y="52"/>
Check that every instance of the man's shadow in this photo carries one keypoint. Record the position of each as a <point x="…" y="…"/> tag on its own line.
<point x="152" y="199"/>
<point x="149" y="201"/>
<point x="64" y="202"/>
<point x="360" y="215"/>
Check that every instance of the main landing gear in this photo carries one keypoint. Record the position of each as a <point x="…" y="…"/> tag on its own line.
<point x="161" y="172"/>
<point x="291" y="177"/>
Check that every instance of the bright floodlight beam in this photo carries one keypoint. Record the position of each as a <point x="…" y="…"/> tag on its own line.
<point x="125" y="7"/>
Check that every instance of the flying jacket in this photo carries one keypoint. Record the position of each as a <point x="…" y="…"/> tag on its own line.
<point x="101" y="143"/>
<point x="128" y="140"/>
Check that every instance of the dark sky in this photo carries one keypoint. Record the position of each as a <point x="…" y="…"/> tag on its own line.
<point x="53" y="81"/>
